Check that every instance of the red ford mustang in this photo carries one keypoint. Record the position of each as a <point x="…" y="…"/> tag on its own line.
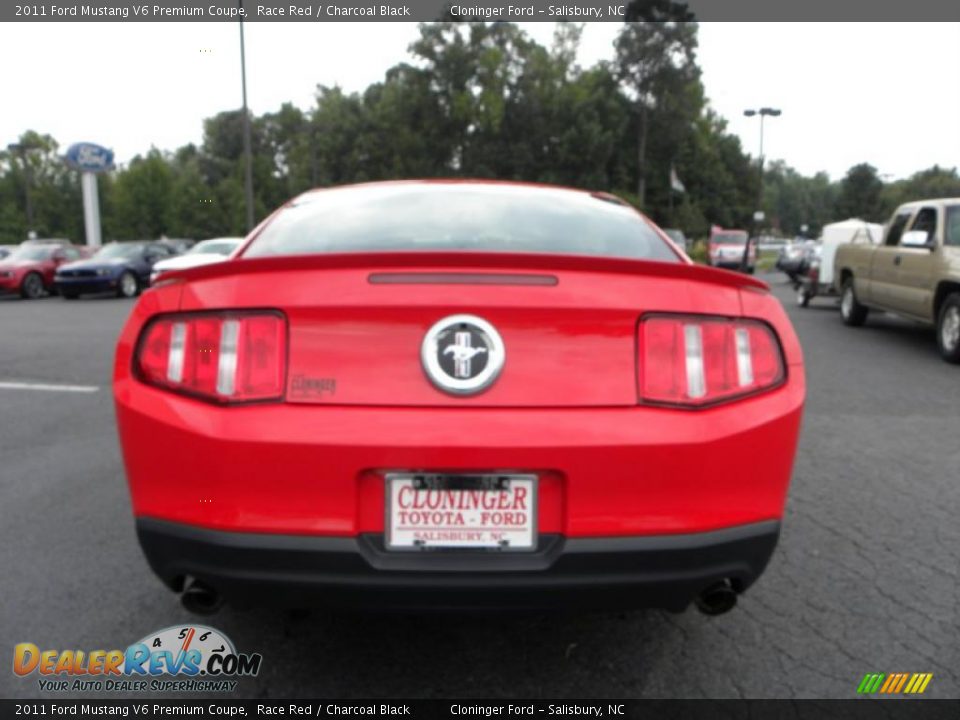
<point x="458" y="394"/>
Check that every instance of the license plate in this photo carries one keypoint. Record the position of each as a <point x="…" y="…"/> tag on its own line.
<point x="434" y="511"/>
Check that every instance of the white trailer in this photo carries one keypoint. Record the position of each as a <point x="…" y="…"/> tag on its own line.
<point x="819" y="276"/>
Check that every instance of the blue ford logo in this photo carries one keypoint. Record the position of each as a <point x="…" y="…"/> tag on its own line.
<point x="89" y="157"/>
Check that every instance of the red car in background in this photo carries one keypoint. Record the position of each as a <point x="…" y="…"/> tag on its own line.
<point x="726" y="248"/>
<point x="30" y="268"/>
<point x="461" y="394"/>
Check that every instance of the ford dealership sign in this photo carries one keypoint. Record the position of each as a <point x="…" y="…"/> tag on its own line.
<point x="88" y="157"/>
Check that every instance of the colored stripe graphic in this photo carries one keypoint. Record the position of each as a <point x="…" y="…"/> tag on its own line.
<point x="870" y="683"/>
<point x="894" y="683"/>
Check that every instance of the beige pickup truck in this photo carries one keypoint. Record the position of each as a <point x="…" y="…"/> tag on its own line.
<point x="914" y="272"/>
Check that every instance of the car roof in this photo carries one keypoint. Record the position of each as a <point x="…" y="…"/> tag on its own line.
<point x="530" y="187"/>
<point x="932" y="201"/>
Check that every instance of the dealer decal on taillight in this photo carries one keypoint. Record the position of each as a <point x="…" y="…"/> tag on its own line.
<point x="694" y="360"/>
<point x="221" y="356"/>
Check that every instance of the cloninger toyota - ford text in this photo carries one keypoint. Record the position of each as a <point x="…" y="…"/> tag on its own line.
<point x="458" y="394"/>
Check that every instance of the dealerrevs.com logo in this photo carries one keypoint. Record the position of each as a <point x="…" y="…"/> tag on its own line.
<point x="179" y="658"/>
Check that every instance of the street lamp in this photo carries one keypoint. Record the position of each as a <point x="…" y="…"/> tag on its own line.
<point x="248" y="160"/>
<point x="758" y="215"/>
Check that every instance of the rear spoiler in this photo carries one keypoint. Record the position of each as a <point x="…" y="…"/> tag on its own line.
<point x="462" y="260"/>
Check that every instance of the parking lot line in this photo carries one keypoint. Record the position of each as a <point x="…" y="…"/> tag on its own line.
<point x="48" y="387"/>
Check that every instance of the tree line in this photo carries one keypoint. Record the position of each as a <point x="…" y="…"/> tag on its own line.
<point x="477" y="100"/>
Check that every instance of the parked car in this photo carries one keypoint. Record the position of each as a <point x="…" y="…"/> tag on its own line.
<point x="204" y="252"/>
<point x="29" y="269"/>
<point x="725" y="249"/>
<point x="914" y="272"/>
<point x="458" y="393"/>
<point x="123" y="268"/>
<point x="792" y="260"/>
<point x="678" y="237"/>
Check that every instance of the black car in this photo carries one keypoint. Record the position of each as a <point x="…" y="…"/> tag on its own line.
<point x="122" y="268"/>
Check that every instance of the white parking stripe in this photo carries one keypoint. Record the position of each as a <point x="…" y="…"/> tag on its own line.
<point x="49" y="387"/>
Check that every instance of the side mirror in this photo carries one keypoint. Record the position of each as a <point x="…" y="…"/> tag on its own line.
<point x="916" y="238"/>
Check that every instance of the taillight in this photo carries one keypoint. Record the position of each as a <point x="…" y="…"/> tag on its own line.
<point x="221" y="356"/>
<point x="698" y="360"/>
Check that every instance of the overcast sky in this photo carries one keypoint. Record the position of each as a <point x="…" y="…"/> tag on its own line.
<point x="884" y="93"/>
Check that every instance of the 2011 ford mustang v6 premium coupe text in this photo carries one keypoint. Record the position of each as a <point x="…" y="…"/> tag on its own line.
<point x="458" y="394"/>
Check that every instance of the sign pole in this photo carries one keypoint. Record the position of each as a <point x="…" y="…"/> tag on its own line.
<point x="91" y="208"/>
<point x="90" y="159"/>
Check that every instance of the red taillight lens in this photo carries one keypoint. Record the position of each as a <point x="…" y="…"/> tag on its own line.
<point x="696" y="360"/>
<point x="225" y="357"/>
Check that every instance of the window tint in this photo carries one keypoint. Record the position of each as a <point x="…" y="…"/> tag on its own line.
<point x="896" y="228"/>
<point x="214" y="247"/>
<point x="118" y="250"/>
<point x="32" y="253"/>
<point x="926" y="221"/>
<point x="951" y="227"/>
<point x="462" y="217"/>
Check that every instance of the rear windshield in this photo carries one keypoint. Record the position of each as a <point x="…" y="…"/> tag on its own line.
<point x="492" y="218"/>
<point x="33" y="252"/>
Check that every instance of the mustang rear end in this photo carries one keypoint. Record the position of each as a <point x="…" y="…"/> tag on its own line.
<point x="462" y="395"/>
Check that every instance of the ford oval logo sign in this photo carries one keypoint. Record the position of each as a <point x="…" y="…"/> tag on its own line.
<point x="89" y="157"/>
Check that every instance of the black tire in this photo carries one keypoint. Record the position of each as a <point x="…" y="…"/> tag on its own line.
<point x="851" y="311"/>
<point x="32" y="286"/>
<point x="948" y="329"/>
<point x="127" y="285"/>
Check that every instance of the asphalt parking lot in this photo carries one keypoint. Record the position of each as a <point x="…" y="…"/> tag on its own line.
<point x="866" y="577"/>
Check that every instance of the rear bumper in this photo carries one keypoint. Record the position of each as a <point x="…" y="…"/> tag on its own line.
<point x="85" y="285"/>
<point x="666" y="571"/>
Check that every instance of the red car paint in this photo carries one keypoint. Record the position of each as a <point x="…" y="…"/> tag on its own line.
<point x="43" y="262"/>
<point x="567" y="406"/>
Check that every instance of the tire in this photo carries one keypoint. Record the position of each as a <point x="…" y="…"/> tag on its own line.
<point x="803" y="298"/>
<point x="853" y="313"/>
<point x="948" y="328"/>
<point x="32" y="286"/>
<point x="127" y="285"/>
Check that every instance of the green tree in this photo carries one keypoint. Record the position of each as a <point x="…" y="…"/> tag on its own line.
<point x="656" y="61"/>
<point x="141" y="199"/>
<point x="860" y="194"/>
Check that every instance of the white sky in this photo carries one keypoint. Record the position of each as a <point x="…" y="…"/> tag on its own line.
<point x="884" y="93"/>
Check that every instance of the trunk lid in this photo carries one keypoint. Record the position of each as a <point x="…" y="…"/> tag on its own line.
<point x="357" y="322"/>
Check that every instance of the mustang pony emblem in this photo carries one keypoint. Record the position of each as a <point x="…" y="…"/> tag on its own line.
<point x="463" y="352"/>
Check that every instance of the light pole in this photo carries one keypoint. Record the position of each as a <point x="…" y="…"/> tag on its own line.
<point x="21" y="149"/>
<point x="758" y="215"/>
<point x="248" y="160"/>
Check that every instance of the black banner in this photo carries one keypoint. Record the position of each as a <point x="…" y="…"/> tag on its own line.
<point x="476" y="10"/>
<point x="864" y="709"/>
